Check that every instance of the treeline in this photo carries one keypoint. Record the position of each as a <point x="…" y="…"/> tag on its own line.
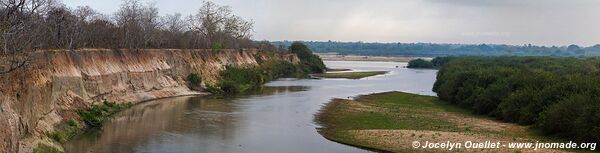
<point x="560" y="96"/>
<point x="434" y="50"/>
<point x="29" y="25"/>
<point x="420" y="63"/>
<point x="52" y="25"/>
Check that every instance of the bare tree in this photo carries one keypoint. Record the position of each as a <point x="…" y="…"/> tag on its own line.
<point x="235" y="28"/>
<point x="128" y="19"/>
<point x="150" y="24"/>
<point x="84" y="15"/>
<point x="174" y="28"/>
<point x="102" y="33"/>
<point x="217" y="24"/>
<point x="28" y="25"/>
<point x="209" y="21"/>
<point x="62" y="28"/>
<point x="18" y="18"/>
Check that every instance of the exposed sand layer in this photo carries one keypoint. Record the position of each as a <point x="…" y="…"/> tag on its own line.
<point x="56" y="83"/>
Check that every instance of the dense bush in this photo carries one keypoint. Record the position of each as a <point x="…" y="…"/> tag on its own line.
<point x="237" y="80"/>
<point x="194" y="80"/>
<point x="560" y="96"/>
<point x="434" y="63"/>
<point x="312" y="62"/>
<point x="420" y="63"/>
<point x="440" y="61"/>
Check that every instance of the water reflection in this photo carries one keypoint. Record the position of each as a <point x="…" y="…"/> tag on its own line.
<point x="278" y="118"/>
<point x="173" y="117"/>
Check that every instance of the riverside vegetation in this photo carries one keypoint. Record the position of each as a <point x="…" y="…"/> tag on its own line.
<point x="558" y="96"/>
<point x="391" y="121"/>
<point x="435" y="63"/>
<point x="238" y="80"/>
<point x="30" y="27"/>
<point x="93" y="117"/>
<point x="550" y="99"/>
<point x="433" y="49"/>
<point x="234" y="80"/>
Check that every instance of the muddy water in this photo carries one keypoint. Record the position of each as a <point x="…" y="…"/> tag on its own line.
<point x="278" y="118"/>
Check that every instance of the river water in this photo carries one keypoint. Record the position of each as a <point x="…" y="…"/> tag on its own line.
<point x="278" y="118"/>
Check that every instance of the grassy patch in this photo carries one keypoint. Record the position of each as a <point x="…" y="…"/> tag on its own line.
<point x="65" y="131"/>
<point x="337" y="70"/>
<point x="93" y="117"/>
<point x="386" y="111"/>
<point x="42" y="148"/>
<point x="351" y="75"/>
<point x="391" y="121"/>
<point x="97" y="114"/>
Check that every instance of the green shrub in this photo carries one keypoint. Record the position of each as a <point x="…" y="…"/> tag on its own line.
<point x="97" y="114"/>
<point x="311" y="62"/>
<point x="42" y="148"/>
<point x="65" y="131"/>
<point x="60" y="137"/>
<point x="72" y="122"/>
<point x="239" y="80"/>
<point x="214" y="90"/>
<point x="216" y="46"/>
<point x="194" y="80"/>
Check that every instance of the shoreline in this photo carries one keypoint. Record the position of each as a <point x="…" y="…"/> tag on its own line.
<point x="84" y="127"/>
<point x="328" y="57"/>
<point x="390" y="121"/>
<point x="354" y="75"/>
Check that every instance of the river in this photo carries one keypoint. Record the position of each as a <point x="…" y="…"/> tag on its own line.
<point x="278" y="118"/>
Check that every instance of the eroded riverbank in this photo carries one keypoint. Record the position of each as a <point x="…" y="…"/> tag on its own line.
<point x="57" y="83"/>
<point x="280" y="119"/>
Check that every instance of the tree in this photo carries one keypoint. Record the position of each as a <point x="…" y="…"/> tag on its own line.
<point x="61" y="27"/>
<point x="19" y="21"/>
<point x="312" y="62"/>
<point x="420" y="63"/>
<point x="30" y="25"/>
<point x="150" y="24"/>
<point x="129" y="18"/>
<point x="217" y="24"/>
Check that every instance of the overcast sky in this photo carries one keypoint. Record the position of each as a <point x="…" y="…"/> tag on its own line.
<point x="540" y="22"/>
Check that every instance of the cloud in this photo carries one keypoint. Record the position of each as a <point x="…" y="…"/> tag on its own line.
<point x="545" y="22"/>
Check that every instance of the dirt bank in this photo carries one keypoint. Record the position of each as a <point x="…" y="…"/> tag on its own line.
<point x="56" y="83"/>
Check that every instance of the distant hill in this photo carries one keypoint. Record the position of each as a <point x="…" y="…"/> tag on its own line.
<point x="432" y="50"/>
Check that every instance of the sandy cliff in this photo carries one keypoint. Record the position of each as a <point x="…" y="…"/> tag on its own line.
<point x="34" y="100"/>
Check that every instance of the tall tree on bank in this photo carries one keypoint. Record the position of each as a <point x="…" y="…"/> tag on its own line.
<point x="313" y="63"/>
<point x="218" y="25"/>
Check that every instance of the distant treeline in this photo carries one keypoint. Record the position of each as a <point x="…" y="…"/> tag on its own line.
<point x="433" y="50"/>
<point x="560" y="96"/>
